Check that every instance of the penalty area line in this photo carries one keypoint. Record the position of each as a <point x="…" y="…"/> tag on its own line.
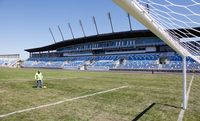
<point x="62" y="101"/>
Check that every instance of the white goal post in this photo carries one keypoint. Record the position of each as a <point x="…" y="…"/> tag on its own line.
<point x="177" y="23"/>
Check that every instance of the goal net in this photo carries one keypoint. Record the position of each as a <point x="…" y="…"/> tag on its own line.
<point x="176" y="22"/>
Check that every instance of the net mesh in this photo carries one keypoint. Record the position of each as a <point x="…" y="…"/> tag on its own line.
<point x="180" y="19"/>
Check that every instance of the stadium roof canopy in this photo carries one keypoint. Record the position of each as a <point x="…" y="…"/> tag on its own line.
<point x="103" y="37"/>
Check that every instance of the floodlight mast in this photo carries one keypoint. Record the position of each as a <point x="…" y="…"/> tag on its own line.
<point x="80" y="22"/>
<point x="61" y="33"/>
<point x="132" y="7"/>
<point x="69" y="25"/>
<point x="95" y="23"/>
<point x="110" y="19"/>
<point x="52" y="35"/>
<point x="129" y="21"/>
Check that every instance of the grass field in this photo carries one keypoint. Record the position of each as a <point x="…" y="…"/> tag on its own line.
<point x="163" y="91"/>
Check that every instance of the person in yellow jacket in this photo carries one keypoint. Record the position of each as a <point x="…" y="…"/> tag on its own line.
<point x="39" y="79"/>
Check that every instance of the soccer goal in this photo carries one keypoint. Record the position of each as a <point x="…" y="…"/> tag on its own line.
<point x="176" y="22"/>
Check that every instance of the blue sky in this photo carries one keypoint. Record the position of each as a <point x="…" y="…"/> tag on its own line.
<point x="25" y="23"/>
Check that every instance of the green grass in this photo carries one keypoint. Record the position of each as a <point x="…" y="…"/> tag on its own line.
<point x="17" y="93"/>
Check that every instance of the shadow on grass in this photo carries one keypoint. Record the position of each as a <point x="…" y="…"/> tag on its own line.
<point x="168" y="105"/>
<point x="143" y="112"/>
<point x="150" y="106"/>
<point x="34" y="86"/>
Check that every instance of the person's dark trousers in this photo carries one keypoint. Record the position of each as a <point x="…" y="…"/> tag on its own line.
<point x="39" y="84"/>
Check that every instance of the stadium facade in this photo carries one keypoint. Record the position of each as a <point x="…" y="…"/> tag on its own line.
<point x="129" y="50"/>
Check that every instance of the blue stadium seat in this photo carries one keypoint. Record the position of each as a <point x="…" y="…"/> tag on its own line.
<point x="131" y="61"/>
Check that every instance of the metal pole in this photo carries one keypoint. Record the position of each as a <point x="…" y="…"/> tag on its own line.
<point x="129" y="20"/>
<point x="110" y="19"/>
<point x="61" y="33"/>
<point x="71" y="30"/>
<point x="94" y="20"/>
<point x="52" y="35"/>
<point x="80" y="22"/>
<point x="184" y="83"/>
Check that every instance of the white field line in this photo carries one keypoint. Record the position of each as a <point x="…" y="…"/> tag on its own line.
<point x="62" y="101"/>
<point x="181" y="114"/>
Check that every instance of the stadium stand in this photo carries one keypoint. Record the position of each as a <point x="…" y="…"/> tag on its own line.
<point x="132" y="50"/>
<point x="10" y="60"/>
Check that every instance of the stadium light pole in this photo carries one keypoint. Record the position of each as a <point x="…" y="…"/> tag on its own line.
<point x="129" y="21"/>
<point x="94" y="20"/>
<point x="61" y="33"/>
<point x="71" y="30"/>
<point x="110" y="19"/>
<point x="52" y="35"/>
<point x="80" y="22"/>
